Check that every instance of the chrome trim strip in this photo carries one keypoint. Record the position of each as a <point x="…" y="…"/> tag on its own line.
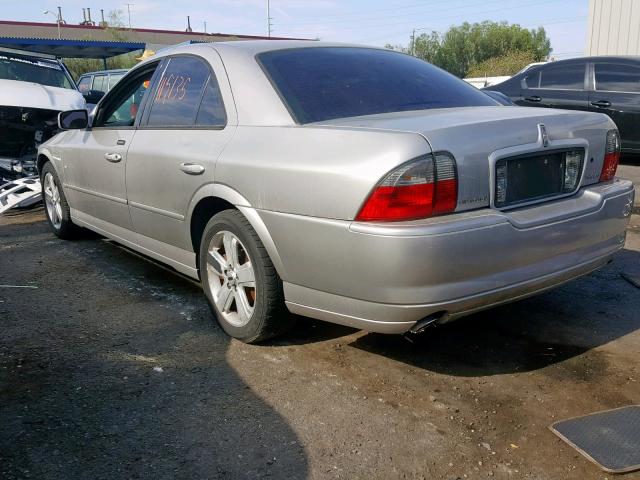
<point x="159" y="211"/>
<point x="122" y="201"/>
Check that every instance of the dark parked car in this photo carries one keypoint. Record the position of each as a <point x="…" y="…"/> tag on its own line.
<point x="94" y="85"/>
<point x="500" y="97"/>
<point x="609" y="85"/>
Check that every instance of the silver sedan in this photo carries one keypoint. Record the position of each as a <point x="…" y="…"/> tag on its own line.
<point x="355" y="185"/>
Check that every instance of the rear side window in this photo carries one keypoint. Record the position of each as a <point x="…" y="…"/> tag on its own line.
<point x="533" y="80"/>
<point x="84" y="85"/>
<point x="562" y="77"/>
<point x="211" y="112"/>
<point x="101" y="83"/>
<point x="185" y="83"/>
<point x="322" y="83"/>
<point x="114" y="78"/>
<point x="611" y="77"/>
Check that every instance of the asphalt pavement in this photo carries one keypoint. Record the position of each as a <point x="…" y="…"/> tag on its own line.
<point x="112" y="367"/>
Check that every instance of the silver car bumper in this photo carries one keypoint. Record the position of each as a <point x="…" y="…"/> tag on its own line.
<point x="385" y="277"/>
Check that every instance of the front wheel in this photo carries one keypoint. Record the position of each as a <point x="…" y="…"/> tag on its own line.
<point x="240" y="282"/>
<point x="56" y="206"/>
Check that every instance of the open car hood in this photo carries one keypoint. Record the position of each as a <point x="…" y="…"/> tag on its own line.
<point x="15" y="93"/>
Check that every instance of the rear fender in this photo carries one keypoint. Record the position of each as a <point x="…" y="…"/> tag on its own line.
<point x="241" y="203"/>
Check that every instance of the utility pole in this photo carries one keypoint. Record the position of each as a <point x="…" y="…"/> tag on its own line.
<point x="49" y="12"/>
<point x="205" y="26"/>
<point x="413" y="43"/>
<point x="129" y="5"/>
<point x="269" y="19"/>
<point x="413" y="39"/>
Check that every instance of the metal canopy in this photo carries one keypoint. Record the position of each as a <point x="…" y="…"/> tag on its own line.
<point x="71" y="48"/>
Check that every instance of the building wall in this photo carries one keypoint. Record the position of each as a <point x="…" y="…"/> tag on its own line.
<point x="614" y="27"/>
<point x="153" y="38"/>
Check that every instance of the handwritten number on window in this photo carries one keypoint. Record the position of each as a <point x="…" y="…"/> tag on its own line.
<point x="173" y="87"/>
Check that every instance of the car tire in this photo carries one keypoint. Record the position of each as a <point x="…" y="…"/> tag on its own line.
<point x="56" y="205"/>
<point x="231" y="257"/>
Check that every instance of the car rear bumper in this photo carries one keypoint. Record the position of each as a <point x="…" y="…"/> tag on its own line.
<point x="387" y="276"/>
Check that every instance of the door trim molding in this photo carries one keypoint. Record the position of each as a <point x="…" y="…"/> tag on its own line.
<point x="122" y="201"/>
<point x="159" y="211"/>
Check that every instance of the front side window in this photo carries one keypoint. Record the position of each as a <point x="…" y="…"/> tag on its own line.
<point x="322" y="83"/>
<point x="35" y="70"/>
<point x="179" y="94"/>
<point x="84" y="85"/>
<point x="121" y="106"/>
<point x="611" y="77"/>
<point x="562" y="77"/>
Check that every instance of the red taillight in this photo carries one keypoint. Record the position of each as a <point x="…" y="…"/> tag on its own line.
<point x="611" y="156"/>
<point x="418" y="189"/>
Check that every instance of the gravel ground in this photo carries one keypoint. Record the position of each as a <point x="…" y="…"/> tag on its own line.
<point x="112" y="367"/>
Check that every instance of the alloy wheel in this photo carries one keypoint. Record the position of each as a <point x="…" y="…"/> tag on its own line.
<point x="52" y="200"/>
<point x="231" y="278"/>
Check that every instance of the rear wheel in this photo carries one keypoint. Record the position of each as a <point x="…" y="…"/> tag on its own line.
<point x="56" y="206"/>
<point x="240" y="282"/>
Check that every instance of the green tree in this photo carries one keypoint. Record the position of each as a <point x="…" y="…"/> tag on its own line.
<point x="78" y="66"/>
<point x="508" y="64"/>
<point x="462" y="47"/>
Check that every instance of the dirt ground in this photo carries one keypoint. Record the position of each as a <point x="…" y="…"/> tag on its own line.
<point x="112" y="367"/>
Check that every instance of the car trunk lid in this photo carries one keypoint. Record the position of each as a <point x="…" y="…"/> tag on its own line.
<point x="477" y="136"/>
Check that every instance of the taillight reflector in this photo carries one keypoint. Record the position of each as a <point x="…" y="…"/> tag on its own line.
<point x="418" y="189"/>
<point x="611" y="156"/>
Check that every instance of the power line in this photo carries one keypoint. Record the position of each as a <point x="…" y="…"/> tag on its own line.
<point x="551" y="22"/>
<point x="413" y="14"/>
<point x="395" y="8"/>
<point x="413" y="22"/>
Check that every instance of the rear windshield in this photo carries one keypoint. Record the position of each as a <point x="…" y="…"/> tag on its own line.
<point x="25" y="69"/>
<point x="322" y="83"/>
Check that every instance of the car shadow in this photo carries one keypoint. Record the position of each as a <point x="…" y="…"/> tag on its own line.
<point x="112" y="368"/>
<point x="527" y="335"/>
<point x="630" y="159"/>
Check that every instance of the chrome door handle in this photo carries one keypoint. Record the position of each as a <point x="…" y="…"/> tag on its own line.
<point x="534" y="98"/>
<point x="113" y="157"/>
<point x="601" y="103"/>
<point x="192" y="168"/>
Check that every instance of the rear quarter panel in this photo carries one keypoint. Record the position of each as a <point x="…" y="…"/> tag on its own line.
<point x="316" y="171"/>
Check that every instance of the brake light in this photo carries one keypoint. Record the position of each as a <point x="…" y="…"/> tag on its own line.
<point x="611" y="156"/>
<point x="420" y="188"/>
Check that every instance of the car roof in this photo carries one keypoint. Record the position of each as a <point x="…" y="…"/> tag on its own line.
<point x="250" y="48"/>
<point x="103" y="72"/>
<point x="254" y="47"/>
<point x="27" y="53"/>
<point x="592" y="58"/>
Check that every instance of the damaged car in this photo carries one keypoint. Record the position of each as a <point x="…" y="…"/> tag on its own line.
<point x="355" y="185"/>
<point x="34" y="88"/>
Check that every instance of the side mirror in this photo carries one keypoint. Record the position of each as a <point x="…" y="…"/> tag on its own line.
<point x="73" y="120"/>
<point x="93" y="96"/>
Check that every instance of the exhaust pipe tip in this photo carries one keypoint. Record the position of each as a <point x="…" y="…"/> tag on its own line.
<point x="421" y="326"/>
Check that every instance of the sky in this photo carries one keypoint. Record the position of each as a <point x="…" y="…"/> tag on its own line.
<point x="373" y="22"/>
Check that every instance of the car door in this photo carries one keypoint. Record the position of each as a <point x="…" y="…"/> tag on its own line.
<point x="616" y="92"/>
<point x="100" y="83"/>
<point x="556" y="86"/>
<point x="114" y="78"/>
<point x="94" y="160"/>
<point x="187" y="123"/>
